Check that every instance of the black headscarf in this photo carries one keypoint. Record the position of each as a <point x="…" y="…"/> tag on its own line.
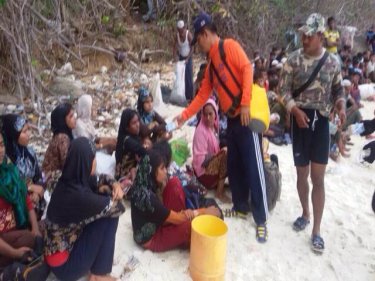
<point x="127" y="115"/>
<point x="22" y="156"/>
<point x="73" y="200"/>
<point x="58" y="123"/>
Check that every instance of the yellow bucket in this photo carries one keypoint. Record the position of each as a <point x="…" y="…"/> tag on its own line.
<point x="259" y="110"/>
<point x="208" y="248"/>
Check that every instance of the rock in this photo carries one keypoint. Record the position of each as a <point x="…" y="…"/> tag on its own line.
<point x="65" y="87"/>
<point x="11" y="108"/>
<point x="65" y="69"/>
<point x="143" y="79"/>
<point x="71" y="77"/>
<point x="106" y="84"/>
<point x="103" y="70"/>
<point x="100" y="118"/>
<point x="9" y="99"/>
<point x="2" y="109"/>
<point x="45" y="75"/>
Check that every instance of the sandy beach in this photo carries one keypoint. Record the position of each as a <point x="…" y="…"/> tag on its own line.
<point x="348" y="228"/>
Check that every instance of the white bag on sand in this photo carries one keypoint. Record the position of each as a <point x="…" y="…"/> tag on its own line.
<point x="155" y="91"/>
<point x="178" y="92"/>
<point x="105" y="164"/>
<point x="367" y="91"/>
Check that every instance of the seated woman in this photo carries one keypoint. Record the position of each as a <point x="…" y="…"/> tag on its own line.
<point x="129" y="148"/>
<point x="16" y="132"/>
<point x="277" y="127"/>
<point x="18" y="223"/>
<point x="161" y="225"/>
<point x="153" y="125"/>
<point x="209" y="161"/>
<point x="85" y="127"/>
<point x="81" y="224"/>
<point x="353" y="115"/>
<point x="63" y="122"/>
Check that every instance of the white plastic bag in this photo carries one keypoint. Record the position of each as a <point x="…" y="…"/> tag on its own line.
<point x="105" y="164"/>
<point x="155" y="91"/>
<point x="367" y="91"/>
<point x="178" y="92"/>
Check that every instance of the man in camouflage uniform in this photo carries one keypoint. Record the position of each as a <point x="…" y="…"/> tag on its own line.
<point x="310" y="111"/>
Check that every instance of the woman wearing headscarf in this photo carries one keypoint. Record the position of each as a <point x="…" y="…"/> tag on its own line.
<point x="63" y="122"/>
<point x="17" y="216"/>
<point x="85" y="127"/>
<point x="161" y="225"/>
<point x="153" y="125"/>
<point x="17" y="135"/>
<point x="81" y="224"/>
<point x="129" y="149"/>
<point x="209" y="161"/>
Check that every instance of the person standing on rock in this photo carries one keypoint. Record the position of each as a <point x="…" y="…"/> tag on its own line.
<point x="232" y="78"/>
<point x="310" y="87"/>
<point x="183" y="51"/>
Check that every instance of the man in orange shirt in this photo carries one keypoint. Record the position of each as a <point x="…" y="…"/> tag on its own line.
<point x="232" y="79"/>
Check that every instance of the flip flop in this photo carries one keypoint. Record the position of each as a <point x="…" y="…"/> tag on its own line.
<point x="317" y="244"/>
<point x="300" y="224"/>
<point x="231" y="213"/>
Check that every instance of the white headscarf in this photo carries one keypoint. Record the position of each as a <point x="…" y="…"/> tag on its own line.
<point x="85" y="127"/>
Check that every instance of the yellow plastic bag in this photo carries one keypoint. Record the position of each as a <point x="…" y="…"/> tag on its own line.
<point x="259" y="110"/>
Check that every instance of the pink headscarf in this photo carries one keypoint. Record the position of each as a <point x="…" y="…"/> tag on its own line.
<point x="205" y="142"/>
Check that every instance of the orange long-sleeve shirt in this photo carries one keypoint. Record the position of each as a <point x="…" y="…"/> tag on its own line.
<point x="242" y="69"/>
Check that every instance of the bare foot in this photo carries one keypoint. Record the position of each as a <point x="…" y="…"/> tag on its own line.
<point x="94" y="277"/>
<point x="223" y="198"/>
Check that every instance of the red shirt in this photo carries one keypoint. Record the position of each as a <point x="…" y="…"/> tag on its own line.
<point x="7" y="217"/>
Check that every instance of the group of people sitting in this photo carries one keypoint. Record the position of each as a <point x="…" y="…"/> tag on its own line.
<point x="72" y="231"/>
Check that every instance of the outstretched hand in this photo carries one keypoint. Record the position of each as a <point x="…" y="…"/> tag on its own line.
<point x="179" y="120"/>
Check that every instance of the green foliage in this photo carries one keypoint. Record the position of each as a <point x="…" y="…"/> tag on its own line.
<point x="118" y="29"/>
<point x="2" y="3"/>
<point x="34" y="62"/>
<point x="105" y="19"/>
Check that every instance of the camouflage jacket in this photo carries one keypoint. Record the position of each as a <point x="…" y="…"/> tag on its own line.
<point x="322" y="94"/>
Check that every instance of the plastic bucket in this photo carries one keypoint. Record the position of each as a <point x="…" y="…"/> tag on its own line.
<point x="208" y="248"/>
<point x="259" y="110"/>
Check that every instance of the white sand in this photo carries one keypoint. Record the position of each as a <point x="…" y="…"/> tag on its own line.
<point x="348" y="229"/>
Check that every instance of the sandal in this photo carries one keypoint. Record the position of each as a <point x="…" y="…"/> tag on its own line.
<point x="317" y="244"/>
<point x="231" y="213"/>
<point x="261" y="233"/>
<point x="300" y="224"/>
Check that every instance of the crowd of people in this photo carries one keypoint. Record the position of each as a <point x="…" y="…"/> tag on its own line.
<point x="314" y="100"/>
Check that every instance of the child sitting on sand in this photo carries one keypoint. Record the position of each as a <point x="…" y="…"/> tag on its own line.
<point x="153" y="125"/>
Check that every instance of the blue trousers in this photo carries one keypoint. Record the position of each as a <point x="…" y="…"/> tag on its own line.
<point x="189" y="87"/>
<point x="245" y="170"/>
<point x="92" y="252"/>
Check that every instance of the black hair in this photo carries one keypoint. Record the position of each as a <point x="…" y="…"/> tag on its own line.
<point x="273" y="83"/>
<point x="156" y="160"/>
<point x="258" y="73"/>
<point x="330" y="19"/>
<point x="211" y="27"/>
<point x="165" y="150"/>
